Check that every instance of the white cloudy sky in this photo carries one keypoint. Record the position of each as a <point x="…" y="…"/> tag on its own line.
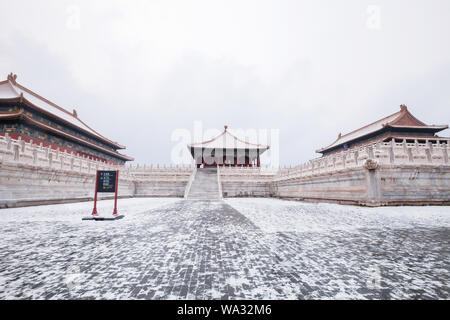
<point x="138" y="70"/>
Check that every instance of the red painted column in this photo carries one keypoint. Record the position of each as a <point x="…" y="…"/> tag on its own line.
<point x="259" y="162"/>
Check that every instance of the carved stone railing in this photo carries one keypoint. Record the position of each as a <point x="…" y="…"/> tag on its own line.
<point x="248" y="170"/>
<point x="371" y="157"/>
<point x="17" y="151"/>
<point x="247" y="173"/>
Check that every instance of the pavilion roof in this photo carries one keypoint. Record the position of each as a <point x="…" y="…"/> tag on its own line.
<point x="10" y="90"/>
<point x="400" y="119"/>
<point x="227" y="140"/>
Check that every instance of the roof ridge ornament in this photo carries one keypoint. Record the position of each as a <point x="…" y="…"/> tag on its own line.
<point x="226" y="127"/>
<point x="75" y="114"/>
<point x="12" y="77"/>
<point x="403" y="107"/>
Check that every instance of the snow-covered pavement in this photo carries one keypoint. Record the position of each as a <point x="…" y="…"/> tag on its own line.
<point x="237" y="248"/>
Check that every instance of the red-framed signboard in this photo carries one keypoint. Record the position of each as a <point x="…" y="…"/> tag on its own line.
<point x="106" y="182"/>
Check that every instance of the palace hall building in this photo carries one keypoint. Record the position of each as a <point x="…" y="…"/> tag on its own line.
<point x="399" y="127"/>
<point x="26" y="115"/>
<point x="227" y="150"/>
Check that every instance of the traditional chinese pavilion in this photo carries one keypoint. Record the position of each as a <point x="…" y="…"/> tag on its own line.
<point x="398" y="127"/>
<point x="227" y="150"/>
<point x="35" y="119"/>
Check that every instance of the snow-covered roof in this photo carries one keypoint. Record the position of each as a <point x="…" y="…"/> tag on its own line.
<point x="10" y="90"/>
<point x="400" y="119"/>
<point x="226" y="140"/>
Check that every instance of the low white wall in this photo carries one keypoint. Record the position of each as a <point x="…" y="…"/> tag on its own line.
<point x="374" y="175"/>
<point x="381" y="174"/>
<point x="414" y="185"/>
<point x="344" y="186"/>
<point x="23" y="184"/>
<point x="33" y="175"/>
<point x="247" y="182"/>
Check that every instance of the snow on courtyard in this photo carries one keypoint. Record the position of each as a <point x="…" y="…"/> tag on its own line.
<point x="273" y="215"/>
<point x="232" y="249"/>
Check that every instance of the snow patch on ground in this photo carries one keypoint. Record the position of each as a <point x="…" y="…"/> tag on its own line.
<point x="274" y="215"/>
<point x="233" y="249"/>
<point x="74" y="212"/>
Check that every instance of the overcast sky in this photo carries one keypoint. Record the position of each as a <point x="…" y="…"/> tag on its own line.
<point x="138" y="70"/>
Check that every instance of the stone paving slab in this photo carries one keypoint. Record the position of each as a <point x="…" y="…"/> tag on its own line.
<point x="188" y="249"/>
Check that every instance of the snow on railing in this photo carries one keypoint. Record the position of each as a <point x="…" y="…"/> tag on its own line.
<point x="137" y="168"/>
<point x="21" y="152"/>
<point x="380" y="153"/>
<point x="387" y="153"/>
<point x="242" y="170"/>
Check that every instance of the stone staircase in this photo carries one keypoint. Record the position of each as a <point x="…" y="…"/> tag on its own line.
<point x="204" y="186"/>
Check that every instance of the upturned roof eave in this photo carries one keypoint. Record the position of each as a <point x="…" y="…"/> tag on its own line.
<point x="245" y="148"/>
<point x="389" y="121"/>
<point x="20" y="98"/>
<point x="204" y="144"/>
<point x="427" y="127"/>
<point x="79" y="140"/>
<point x="435" y="128"/>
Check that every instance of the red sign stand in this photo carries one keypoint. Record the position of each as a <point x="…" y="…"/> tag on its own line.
<point x="115" y="212"/>
<point x="94" y="211"/>
<point x="115" y="196"/>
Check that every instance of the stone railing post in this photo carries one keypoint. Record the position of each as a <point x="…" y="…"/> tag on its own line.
<point x="50" y="159"/>
<point x="22" y="145"/>
<point x="16" y="152"/>
<point x="410" y="155"/>
<point x="430" y="146"/>
<point x="445" y="154"/>
<point x="35" y="155"/>
<point x="428" y="153"/>
<point x="8" y="142"/>
<point x="391" y="152"/>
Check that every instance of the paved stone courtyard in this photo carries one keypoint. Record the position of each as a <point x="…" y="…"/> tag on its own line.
<point x="232" y="249"/>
